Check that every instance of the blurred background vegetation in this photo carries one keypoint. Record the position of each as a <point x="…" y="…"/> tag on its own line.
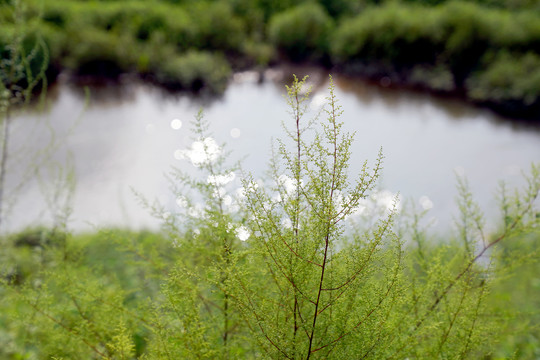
<point x="486" y="51"/>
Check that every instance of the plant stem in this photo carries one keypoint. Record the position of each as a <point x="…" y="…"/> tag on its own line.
<point x="3" y="161"/>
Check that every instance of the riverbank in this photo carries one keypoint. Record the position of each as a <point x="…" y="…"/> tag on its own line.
<point x="487" y="55"/>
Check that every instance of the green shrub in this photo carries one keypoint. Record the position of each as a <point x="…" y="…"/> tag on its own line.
<point x="38" y="237"/>
<point x="394" y="33"/>
<point x="417" y="42"/>
<point x="301" y="32"/>
<point x="423" y="45"/>
<point x="258" y="53"/>
<point x="24" y="65"/>
<point x="195" y="71"/>
<point x="503" y="4"/>
<point x="511" y="82"/>
<point x="524" y="310"/>
<point x="149" y="24"/>
<point x="134" y="18"/>
<point x="215" y="27"/>
<point x="99" y="53"/>
<point x="343" y="8"/>
<point x="515" y="31"/>
<point x="56" y="15"/>
<point x="109" y="16"/>
<point x="468" y="31"/>
<point x="271" y="7"/>
<point x="55" y="40"/>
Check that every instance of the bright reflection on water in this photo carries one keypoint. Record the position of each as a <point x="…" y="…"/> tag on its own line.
<point x="176" y="124"/>
<point x="129" y="137"/>
<point x="235" y="133"/>
<point x="201" y="152"/>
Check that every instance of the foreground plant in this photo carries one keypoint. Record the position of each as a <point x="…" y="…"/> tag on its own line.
<point x="207" y="233"/>
<point x="304" y="305"/>
<point x="23" y="61"/>
<point x="276" y="269"/>
<point x="325" y="292"/>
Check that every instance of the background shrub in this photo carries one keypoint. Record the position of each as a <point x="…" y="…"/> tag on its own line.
<point x="434" y="44"/>
<point x="509" y="82"/>
<point x="395" y="34"/>
<point x="215" y="26"/>
<point x="344" y="8"/>
<point x="468" y="31"/>
<point x="301" y="32"/>
<point x="99" y="53"/>
<point x="195" y="71"/>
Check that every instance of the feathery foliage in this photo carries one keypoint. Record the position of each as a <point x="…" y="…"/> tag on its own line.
<point x="279" y="269"/>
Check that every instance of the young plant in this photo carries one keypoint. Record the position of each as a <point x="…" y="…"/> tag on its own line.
<point x="305" y="301"/>
<point x="24" y="59"/>
<point x="276" y="271"/>
<point x="207" y="231"/>
<point x="313" y="288"/>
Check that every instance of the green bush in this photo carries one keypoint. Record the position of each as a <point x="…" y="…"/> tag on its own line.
<point x="134" y="18"/>
<point x="109" y="16"/>
<point x="270" y="8"/>
<point x="194" y="71"/>
<point x="524" y="310"/>
<point x="216" y="27"/>
<point x="394" y="33"/>
<point x="503" y="4"/>
<point x="433" y="44"/>
<point x="301" y="32"/>
<point x="517" y="31"/>
<point x="99" y="53"/>
<point x="441" y="47"/>
<point x="343" y="8"/>
<point x="148" y="24"/>
<point x="55" y="41"/>
<point x="511" y="82"/>
<point x="469" y="29"/>
<point x="24" y="64"/>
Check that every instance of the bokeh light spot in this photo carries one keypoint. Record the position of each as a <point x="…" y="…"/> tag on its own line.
<point x="235" y="133"/>
<point x="176" y="124"/>
<point x="425" y="202"/>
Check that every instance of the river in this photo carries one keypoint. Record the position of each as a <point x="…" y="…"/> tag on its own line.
<point x="121" y="138"/>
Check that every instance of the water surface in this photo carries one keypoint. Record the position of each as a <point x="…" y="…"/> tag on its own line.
<point x="125" y="137"/>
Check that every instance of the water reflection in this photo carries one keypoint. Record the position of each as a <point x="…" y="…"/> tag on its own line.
<point x="123" y="91"/>
<point x="368" y="92"/>
<point x="130" y="134"/>
<point x="176" y="124"/>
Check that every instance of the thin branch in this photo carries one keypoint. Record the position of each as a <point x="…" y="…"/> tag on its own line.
<point x="381" y="300"/>
<point x="259" y="323"/>
<point x="68" y="329"/>
<point x="328" y="228"/>
<point x="453" y="320"/>
<point x="281" y="269"/>
<point x="374" y="247"/>
<point x="469" y="265"/>
<point x="280" y="236"/>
